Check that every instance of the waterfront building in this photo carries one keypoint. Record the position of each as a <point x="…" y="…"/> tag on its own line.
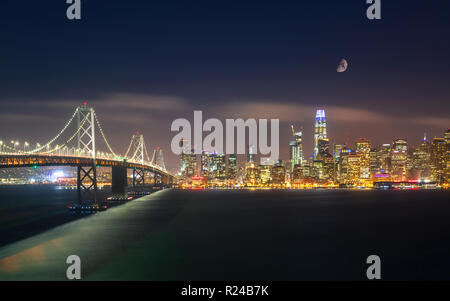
<point x="252" y="177"/>
<point x="265" y="173"/>
<point x="353" y="169"/>
<point x="439" y="159"/>
<point x="363" y="150"/>
<point x="278" y="173"/>
<point x="219" y="163"/>
<point x="232" y="167"/>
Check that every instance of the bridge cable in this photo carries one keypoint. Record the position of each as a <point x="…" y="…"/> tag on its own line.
<point x="57" y="136"/>
<point x="103" y="135"/>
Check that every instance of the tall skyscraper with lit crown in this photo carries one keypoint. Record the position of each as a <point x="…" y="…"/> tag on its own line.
<point x="320" y="130"/>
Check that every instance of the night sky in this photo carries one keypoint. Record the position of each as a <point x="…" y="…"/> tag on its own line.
<point x="142" y="64"/>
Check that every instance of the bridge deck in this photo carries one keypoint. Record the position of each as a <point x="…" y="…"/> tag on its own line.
<point x="15" y="161"/>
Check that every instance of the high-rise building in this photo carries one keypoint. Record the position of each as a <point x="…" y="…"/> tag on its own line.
<point x="438" y="159"/>
<point x="447" y="156"/>
<point x="328" y="167"/>
<point x="205" y="164"/>
<point x="353" y="169"/>
<point x="421" y="162"/>
<point x="232" y="167"/>
<point x="324" y="147"/>
<point x="185" y="154"/>
<point x="252" y="176"/>
<point x="278" y="173"/>
<point x="296" y="149"/>
<point x="188" y="160"/>
<point x="342" y="166"/>
<point x="399" y="157"/>
<point x="264" y="173"/>
<point x="337" y="152"/>
<point x="384" y="158"/>
<point x="363" y="150"/>
<point x="213" y="165"/>
<point x="447" y="137"/>
<point x="373" y="160"/>
<point x="320" y="130"/>
<point x="220" y="166"/>
<point x="297" y="174"/>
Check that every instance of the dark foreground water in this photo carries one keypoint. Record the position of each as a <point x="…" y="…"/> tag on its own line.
<point x="247" y="235"/>
<point x="26" y="210"/>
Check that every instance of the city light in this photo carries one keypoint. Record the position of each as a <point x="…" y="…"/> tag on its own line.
<point x="363" y="165"/>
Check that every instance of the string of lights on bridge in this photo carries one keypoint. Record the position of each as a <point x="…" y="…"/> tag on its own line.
<point x="85" y="143"/>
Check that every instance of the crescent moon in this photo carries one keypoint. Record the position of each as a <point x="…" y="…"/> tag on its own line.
<point x="343" y="65"/>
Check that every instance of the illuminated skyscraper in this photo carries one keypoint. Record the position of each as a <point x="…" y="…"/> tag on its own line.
<point x="320" y="130"/>
<point x="438" y="159"/>
<point x="219" y="164"/>
<point x="232" y="167"/>
<point x="296" y="149"/>
<point x="447" y="137"/>
<point x="188" y="160"/>
<point x="363" y="150"/>
<point x="205" y="164"/>
<point x="384" y="159"/>
<point x="264" y="173"/>
<point x="398" y="159"/>
<point x="278" y="173"/>
<point x="324" y="147"/>
<point x="337" y="152"/>
<point x="251" y="174"/>
<point x="353" y="169"/>
<point x="342" y="166"/>
<point x="421" y="162"/>
<point x="185" y="150"/>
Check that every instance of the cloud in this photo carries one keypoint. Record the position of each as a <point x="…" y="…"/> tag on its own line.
<point x="135" y="108"/>
<point x="288" y="112"/>
<point x="130" y="108"/>
<point x="132" y="101"/>
<point x="14" y="117"/>
<point x="434" y="121"/>
<point x="113" y="101"/>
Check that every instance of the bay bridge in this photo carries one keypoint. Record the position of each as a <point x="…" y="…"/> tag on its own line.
<point x="77" y="145"/>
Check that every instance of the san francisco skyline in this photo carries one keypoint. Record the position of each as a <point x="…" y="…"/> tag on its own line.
<point x="251" y="62"/>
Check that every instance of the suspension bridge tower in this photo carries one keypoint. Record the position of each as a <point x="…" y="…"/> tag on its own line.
<point x="138" y="151"/>
<point x="86" y="175"/>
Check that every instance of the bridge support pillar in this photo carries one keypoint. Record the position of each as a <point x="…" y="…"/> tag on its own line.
<point x="138" y="179"/>
<point x="119" y="181"/>
<point x="158" y="180"/>
<point x="87" y="183"/>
